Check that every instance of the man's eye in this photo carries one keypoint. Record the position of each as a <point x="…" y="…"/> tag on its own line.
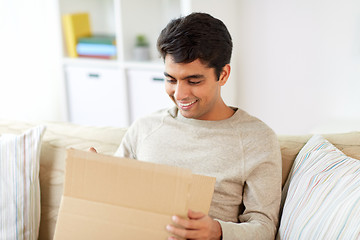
<point x="172" y="81"/>
<point x="194" y="82"/>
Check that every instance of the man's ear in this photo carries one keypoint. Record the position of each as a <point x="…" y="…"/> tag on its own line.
<point x="224" y="75"/>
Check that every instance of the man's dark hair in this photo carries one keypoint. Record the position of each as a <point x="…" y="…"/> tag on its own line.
<point x="197" y="36"/>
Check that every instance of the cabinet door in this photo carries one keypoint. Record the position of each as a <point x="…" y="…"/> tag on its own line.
<point x="146" y="92"/>
<point x="97" y="96"/>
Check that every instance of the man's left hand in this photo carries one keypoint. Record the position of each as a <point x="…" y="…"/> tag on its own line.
<point x="199" y="227"/>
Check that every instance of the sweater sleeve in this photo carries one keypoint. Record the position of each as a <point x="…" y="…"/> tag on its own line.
<point x="261" y="194"/>
<point x="127" y="145"/>
<point x="139" y="130"/>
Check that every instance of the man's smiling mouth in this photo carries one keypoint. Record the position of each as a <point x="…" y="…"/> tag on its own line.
<point x="186" y="105"/>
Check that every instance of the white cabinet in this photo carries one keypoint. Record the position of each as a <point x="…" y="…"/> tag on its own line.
<point x="146" y="92"/>
<point x="96" y="96"/>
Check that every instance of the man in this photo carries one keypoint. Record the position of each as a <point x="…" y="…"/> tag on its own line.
<point x="205" y="135"/>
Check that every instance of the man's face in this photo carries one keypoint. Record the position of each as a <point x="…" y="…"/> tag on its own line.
<point x="194" y="89"/>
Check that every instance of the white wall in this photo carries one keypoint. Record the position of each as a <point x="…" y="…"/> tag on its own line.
<point x="30" y="80"/>
<point x="300" y="64"/>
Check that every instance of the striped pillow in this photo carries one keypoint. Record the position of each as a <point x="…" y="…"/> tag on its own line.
<point x="323" y="199"/>
<point x="19" y="184"/>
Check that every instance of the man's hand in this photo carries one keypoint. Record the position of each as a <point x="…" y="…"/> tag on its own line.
<point x="92" y="150"/>
<point x="199" y="226"/>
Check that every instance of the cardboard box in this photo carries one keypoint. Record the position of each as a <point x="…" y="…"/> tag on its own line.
<point x="107" y="197"/>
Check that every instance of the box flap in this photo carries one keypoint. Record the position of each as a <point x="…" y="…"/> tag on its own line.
<point x="125" y="182"/>
<point x="83" y="219"/>
<point x="201" y="192"/>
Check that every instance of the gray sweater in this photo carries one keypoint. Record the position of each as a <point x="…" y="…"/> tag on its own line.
<point x="241" y="152"/>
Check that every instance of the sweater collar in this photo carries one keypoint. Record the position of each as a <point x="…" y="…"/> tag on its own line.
<point x="174" y="113"/>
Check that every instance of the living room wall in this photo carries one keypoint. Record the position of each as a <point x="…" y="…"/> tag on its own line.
<point x="300" y="64"/>
<point x="297" y="62"/>
<point x="31" y="85"/>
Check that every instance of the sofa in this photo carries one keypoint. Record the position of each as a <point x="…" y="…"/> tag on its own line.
<point x="61" y="135"/>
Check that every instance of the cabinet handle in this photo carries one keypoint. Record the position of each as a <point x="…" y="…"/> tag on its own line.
<point x="94" y="75"/>
<point x="159" y="79"/>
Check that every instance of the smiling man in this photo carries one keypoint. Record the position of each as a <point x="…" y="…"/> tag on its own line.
<point x="204" y="134"/>
<point x="195" y="89"/>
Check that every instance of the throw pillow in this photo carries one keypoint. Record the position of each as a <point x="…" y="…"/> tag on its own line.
<point x="19" y="184"/>
<point x="323" y="198"/>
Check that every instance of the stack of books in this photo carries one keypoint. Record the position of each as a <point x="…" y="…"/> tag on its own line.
<point x="80" y="41"/>
<point x="97" y="46"/>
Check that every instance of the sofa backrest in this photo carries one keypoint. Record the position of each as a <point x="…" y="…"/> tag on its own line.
<point x="348" y="143"/>
<point x="60" y="136"/>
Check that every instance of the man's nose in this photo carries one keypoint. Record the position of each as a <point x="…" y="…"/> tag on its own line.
<point x="181" y="91"/>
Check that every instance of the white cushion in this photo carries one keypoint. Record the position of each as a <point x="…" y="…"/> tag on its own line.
<point x="19" y="184"/>
<point x="323" y="198"/>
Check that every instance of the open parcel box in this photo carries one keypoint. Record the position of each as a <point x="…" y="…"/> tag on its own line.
<point x="107" y="197"/>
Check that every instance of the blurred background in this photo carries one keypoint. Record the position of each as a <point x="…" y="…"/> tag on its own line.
<point x="295" y="65"/>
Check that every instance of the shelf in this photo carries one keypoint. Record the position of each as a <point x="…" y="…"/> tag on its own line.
<point x="91" y="62"/>
<point x="152" y="65"/>
<point x="146" y="18"/>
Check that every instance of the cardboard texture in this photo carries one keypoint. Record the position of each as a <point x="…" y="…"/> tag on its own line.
<point x="107" y="197"/>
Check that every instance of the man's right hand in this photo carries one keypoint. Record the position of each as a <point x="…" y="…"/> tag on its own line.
<point x="92" y="150"/>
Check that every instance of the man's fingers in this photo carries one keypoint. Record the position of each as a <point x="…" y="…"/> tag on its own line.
<point x="183" y="233"/>
<point x="185" y="223"/>
<point x="198" y="226"/>
<point x="195" y="215"/>
<point x="92" y="150"/>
